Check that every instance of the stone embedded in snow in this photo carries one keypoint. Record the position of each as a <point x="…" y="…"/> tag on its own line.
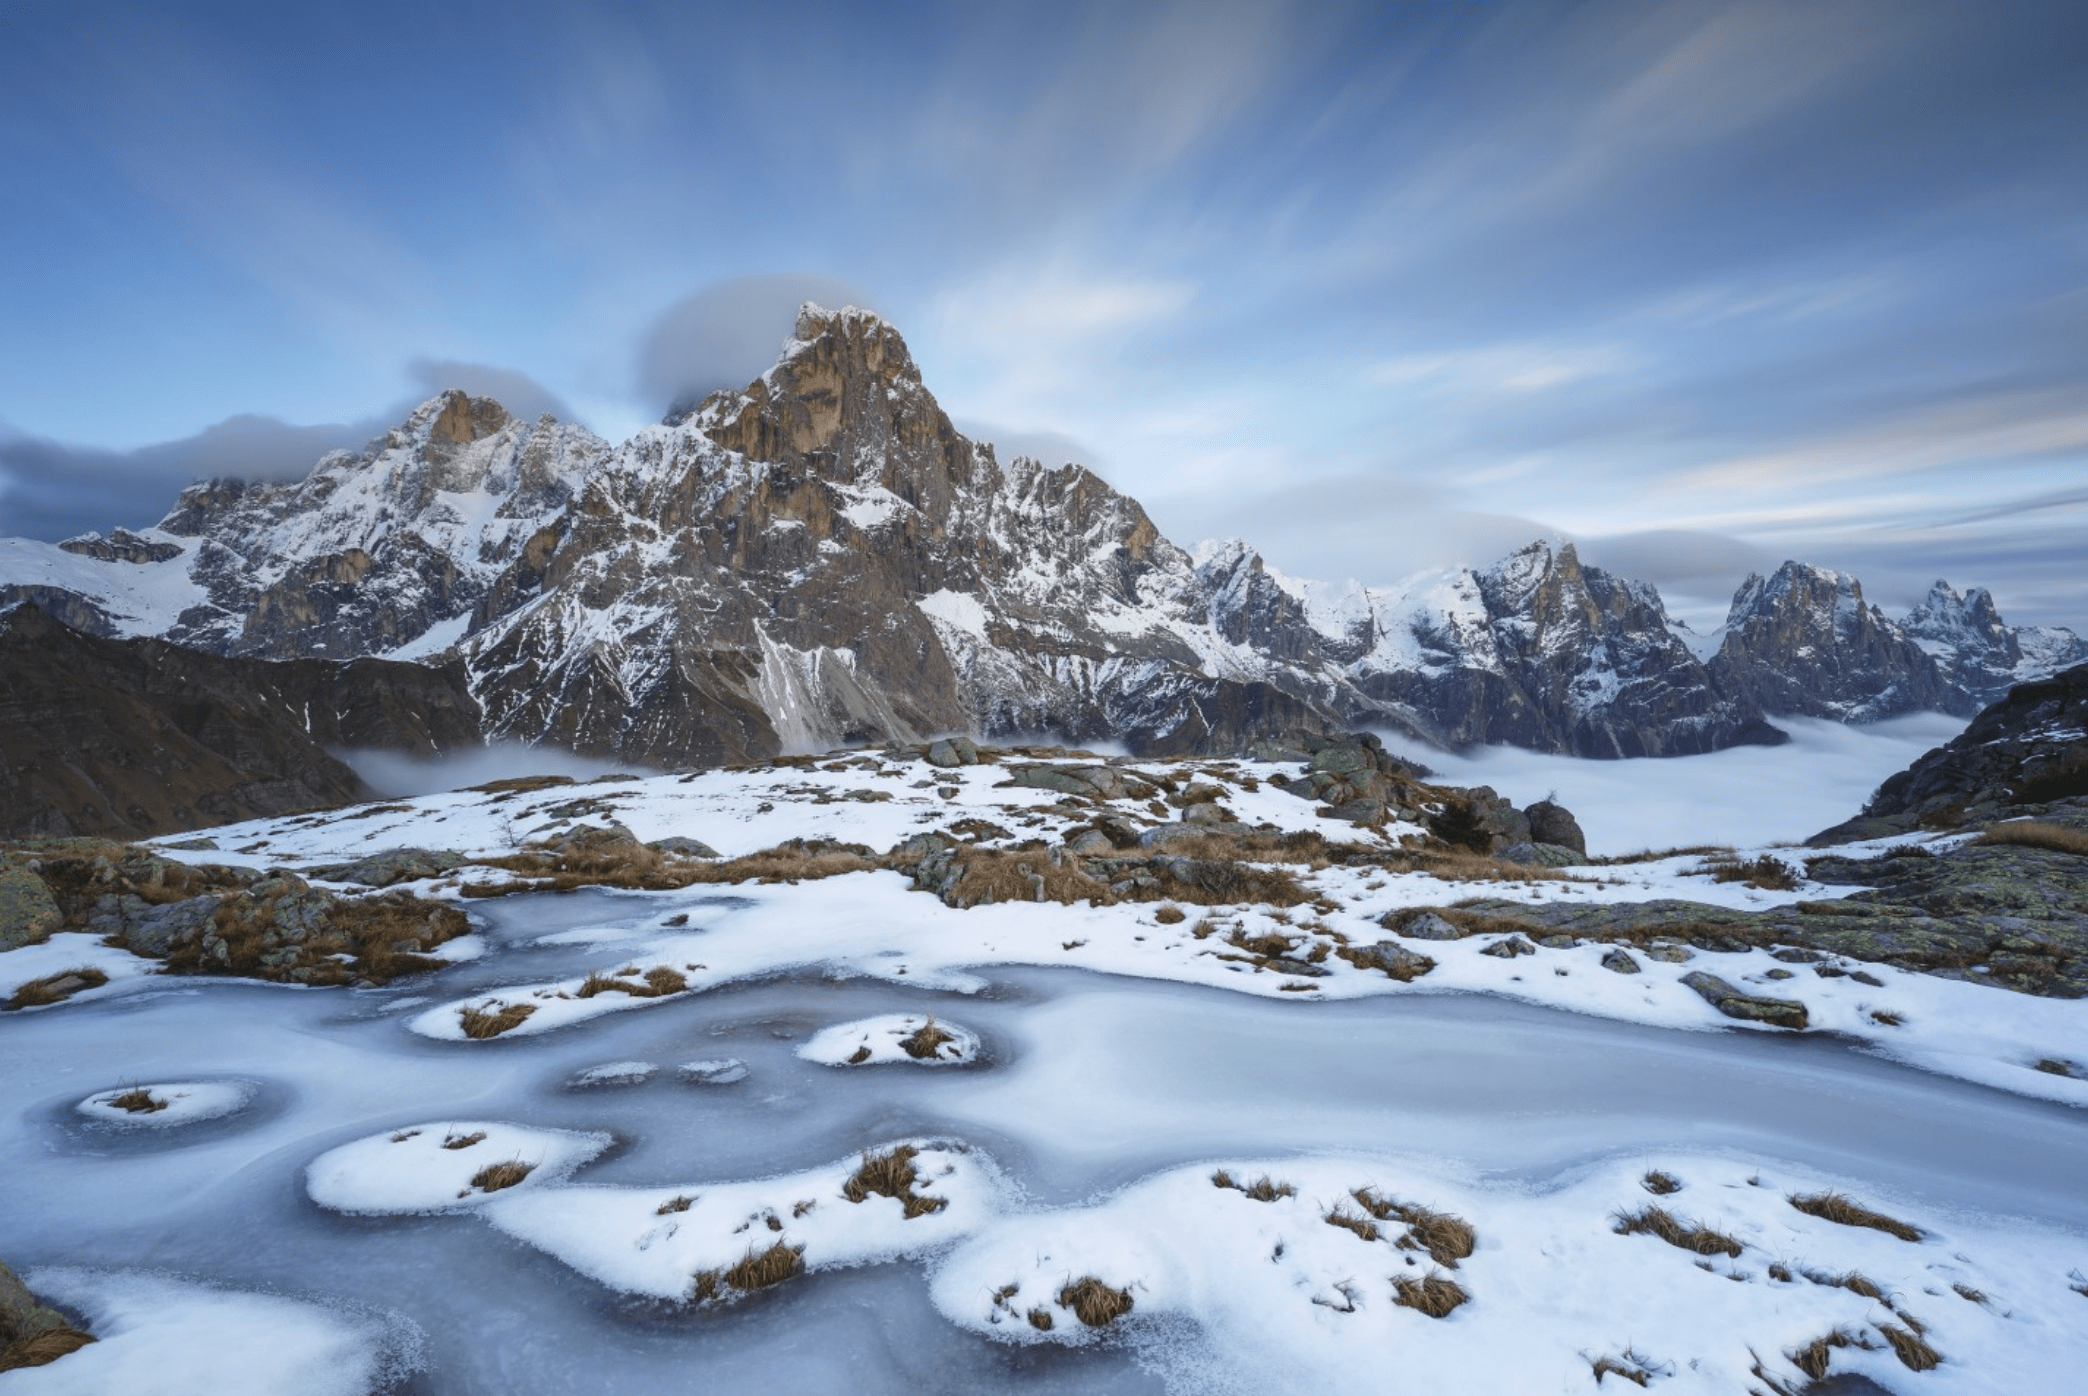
<point x="445" y="1166"/>
<point x="895" y="1037"/>
<point x="1777" y="1013"/>
<point x="160" y="1105"/>
<point x="1619" y="961"/>
<point x="1422" y="925"/>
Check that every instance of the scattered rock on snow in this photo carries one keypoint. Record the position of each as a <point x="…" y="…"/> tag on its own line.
<point x="1777" y="1013"/>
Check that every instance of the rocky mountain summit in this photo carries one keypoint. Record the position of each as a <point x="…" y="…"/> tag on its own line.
<point x="821" y="558"/>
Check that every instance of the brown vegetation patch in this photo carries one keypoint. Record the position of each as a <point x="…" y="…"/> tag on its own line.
<point x="633" y="865"/>
<point x="57" y="988"/>
<point x="505" y="1174"/>
<point x="1969" y="1294"/>
<point x="2031" y="833"/>
<point x="1631" y="1367"/>
<point x="673" y="1205"/>
<point x="1813" y="1358"/>
<point x="1854" y="1281"/>
<point x="657" y="982"/>
<point x="464" y="1141"/>
<point x="2055" y="1067"/>
<point x="1040" y="1319"/>
<point x="859" y="1056"/>
<point x="757" y="1269"/>
<point x="1434" y="1294"/>
<point x="1094" y="1303"/>
<point x="138" y="1101"/>
<point x="1170" y="916"/>
<point x="42" y="1349"/>
<point x="1767" y="871"/>
<point x="1362" y="1226"/>
<point x="478" y="1023"/>
<point x="1660" y="1184"/>
<point x="521" y="785"/>
<point x="926" y="1040"/>
<point x="1911" y="1348"/>
<point x="1832" y="1206"/>
<point x="1447" y="1239"/>
<point x="1689" y="1236"/>
<point x="891" y="1174"/>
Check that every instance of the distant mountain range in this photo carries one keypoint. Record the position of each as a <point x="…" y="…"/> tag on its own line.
<point x="821" y="558"/>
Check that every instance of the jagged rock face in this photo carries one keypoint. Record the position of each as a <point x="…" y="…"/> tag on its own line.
<point x="2030" y="748"/>
<point x="1804" y="643"/>
<point x="1978" y="651"/>
<point x="822" y="558"/>
<point x="371" y="550"/>
<point x="133" y="738"/>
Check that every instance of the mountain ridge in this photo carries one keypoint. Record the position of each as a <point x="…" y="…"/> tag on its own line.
<point x="821" y="557"/>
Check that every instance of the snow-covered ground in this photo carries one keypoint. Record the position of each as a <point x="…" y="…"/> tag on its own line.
<point x="1115" y="1057"/>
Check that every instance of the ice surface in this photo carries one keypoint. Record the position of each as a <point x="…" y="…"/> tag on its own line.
<point x="437" y="1167"/>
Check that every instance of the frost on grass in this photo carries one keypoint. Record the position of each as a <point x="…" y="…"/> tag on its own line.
<point x="922" y="1040"/>
<point x="446" y="1166"/>
<point x="162" y="1105"/>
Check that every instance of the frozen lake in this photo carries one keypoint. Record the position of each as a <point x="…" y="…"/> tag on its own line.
<point x="1087" y="1083"/>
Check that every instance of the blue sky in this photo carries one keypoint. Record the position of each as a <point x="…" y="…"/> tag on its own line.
<point x="1376" y="286"/>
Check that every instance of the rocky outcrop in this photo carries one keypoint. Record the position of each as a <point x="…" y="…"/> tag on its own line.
<point x="1979" y="652"/>
<point x="1804" y="643"/>
<point x="821" y="558"/>
<point x="2020" y="754"/>
<point x="129" y="738"/>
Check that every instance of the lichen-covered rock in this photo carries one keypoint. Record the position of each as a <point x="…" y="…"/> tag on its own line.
<point x="681" y="846"/>
<point x="1541" y="855"/>
<point x="391" y="866"/>
<point x="21" y="1316"/>
<point x="1390" y="956"/>
<point x="1421" y="925"/>
<point x="1508" y="948"/>
<point x="28" y="914"/>
<point x="951" y="752"/>
<point x="1619" y="961"/>
<point x="1778" y="1013"/>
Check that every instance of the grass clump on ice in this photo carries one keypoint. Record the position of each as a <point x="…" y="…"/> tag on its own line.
<point x="505" y="1174"/>
<point x="42" y="1349"/>
<point x="1832" y="1206"/>
<point x="1095" y="1303"/>
<point x="1447" y="1239"/>
<point x="479" y="1024"/>
<point x="1262" y="1189"/>
<point x="57" y="988"/>
<point x="892" y="1174"/>
<point x="138" y="1101"/>
<point x="1689" y="1236"/>
<point x="757" y="1269"/>
<point x="1660" y="1183"/>
<point x="1627" y="1365"/>
<point x="657" y="982"/>
<point x="925" y="1041"/>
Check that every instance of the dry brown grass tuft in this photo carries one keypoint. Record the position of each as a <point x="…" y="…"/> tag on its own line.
<point x="2031" y="833"/>
<point x="521" y="785"/>
<point x="1832" y="1206"/>
<point x="1885" y="1017"/>
<point x="495" y="1176"/>
<point x="925" y="1041"/>
<point x="1094" y="1303"/>
<point x="757" y="1269"/>
<point x="1854" y="1281"/>
<point x="480" y="1024"/>
<point x="645" y="869"/>
<point x="1362" y="1226"/>
<point x="1969" y="1294"/>
<point x="2053" y="1066"/>
<point x="673" y="1205"/>
<point x="1911" y="1348"/>
<point x="1170" y="916"/>
<point x="1040" y="1319"/>
<point x="138" y="1101"/>
<point x="1434" y="1294"/>
<point x="892" y="1174"/>
<point x="859" y="1055"/>
<point x="657" y="982"/>
<point x="1813" y="1358"/>
<point x="42" y="1349"/>
<point x="1264" y="1189"/>
<point x="1660" y="1184"/>
<point x="1446" y="1238"/>
<point x="57" y="988"/>
<point x="1689" y="1236"/>
<point x="1631" y="1367"/>
<point x="1768" y="872"/>
<point x="1655" y="855"/>
<point x="463" y="1141"/>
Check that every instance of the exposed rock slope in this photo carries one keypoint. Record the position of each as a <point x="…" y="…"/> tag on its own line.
<point x="128" y="738"/>
<point x="822" y="558"/>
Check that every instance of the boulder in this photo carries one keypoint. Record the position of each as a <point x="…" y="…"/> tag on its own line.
<point x="20" y="1315"/>
<point x="1619" y="961"/>
<point x="1541" y="855"/>
<point x="680" y="846"/>
<point x="392" y="865"/>
<point x="952" y="752"/>
<point x="28" y="914"/>
<point x="1777" y="1013"/>
<point x="1553" y="823"/>
<point x="1508" y="948"/>
<point x="1421" y="925"/>
<point x="1390" y="956"/>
